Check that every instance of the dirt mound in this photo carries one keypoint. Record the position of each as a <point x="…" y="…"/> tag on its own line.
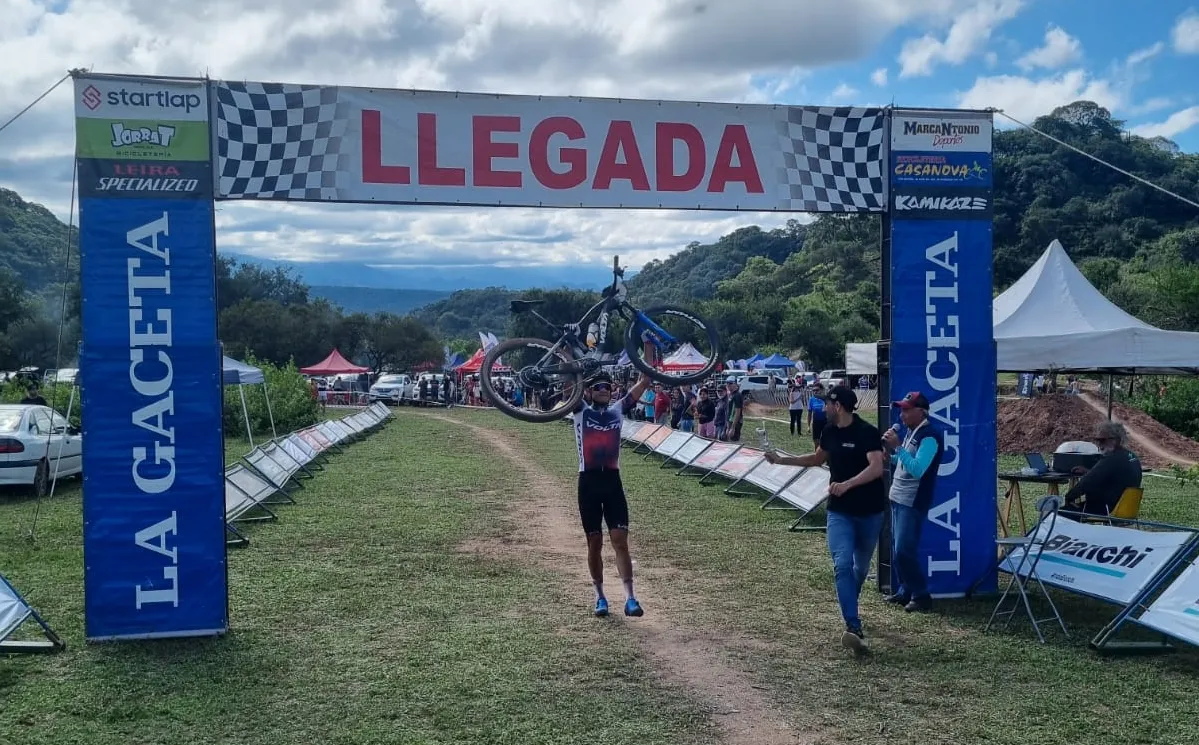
<point x="1043" y="423"/>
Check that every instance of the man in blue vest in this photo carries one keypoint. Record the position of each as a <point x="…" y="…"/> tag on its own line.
<point x="916" y="460"/>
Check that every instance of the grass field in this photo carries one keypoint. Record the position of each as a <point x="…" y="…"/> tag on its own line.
<point x="427" y="588"/>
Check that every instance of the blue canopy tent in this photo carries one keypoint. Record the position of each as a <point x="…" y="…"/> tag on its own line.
<point x="776" y="361"/>
<point x="240" y="374"/>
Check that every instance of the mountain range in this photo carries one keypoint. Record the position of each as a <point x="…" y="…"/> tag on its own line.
<point x="441" y="279"/>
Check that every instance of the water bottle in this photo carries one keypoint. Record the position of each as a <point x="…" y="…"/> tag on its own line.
<point x="592" y="335"/>
<point x="763" y="439"/>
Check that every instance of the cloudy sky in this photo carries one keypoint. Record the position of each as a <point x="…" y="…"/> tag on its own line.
<point x="1023" y="56"/>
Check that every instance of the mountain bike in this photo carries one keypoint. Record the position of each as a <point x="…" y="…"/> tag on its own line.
<point x="670" y="344"/>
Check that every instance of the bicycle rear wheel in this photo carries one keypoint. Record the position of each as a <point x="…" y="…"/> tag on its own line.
<point x="532" y="367"/>
<point x="672" y="345"/>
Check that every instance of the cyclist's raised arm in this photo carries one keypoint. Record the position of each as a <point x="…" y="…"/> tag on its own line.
<point x="641" y="386"/>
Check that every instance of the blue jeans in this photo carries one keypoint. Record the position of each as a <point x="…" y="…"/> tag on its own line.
<point x="906" y="526"/>
<point x="851" y="541"/>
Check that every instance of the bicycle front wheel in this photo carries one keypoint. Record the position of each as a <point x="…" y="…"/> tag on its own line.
<point x="672" y="345"/>
<point x="531" y="380"/>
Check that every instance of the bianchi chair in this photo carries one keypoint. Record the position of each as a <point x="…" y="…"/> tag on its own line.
<point x="1024" y="570"/>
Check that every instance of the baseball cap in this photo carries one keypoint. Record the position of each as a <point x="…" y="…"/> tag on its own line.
<point x="914" y="400"/>
<point x="845" y="396"/>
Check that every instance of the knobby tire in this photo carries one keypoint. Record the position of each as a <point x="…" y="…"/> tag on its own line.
<point x="633" y="346"/>
<point x="516" y="412"/>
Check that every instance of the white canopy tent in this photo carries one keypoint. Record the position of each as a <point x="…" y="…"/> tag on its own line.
<point x="861" y="359"/>
<point x="240" y="374"/>
<point x="1052" y="318"/>
<point x="686" y="358"/>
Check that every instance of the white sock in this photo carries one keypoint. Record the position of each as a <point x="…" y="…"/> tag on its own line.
<point x="628" y="589"/>
<point x="599" y="590"/>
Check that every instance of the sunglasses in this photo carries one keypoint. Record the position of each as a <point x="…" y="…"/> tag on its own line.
<point x="601" y="387"/>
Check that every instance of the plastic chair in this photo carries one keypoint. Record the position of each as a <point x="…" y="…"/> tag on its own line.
<point x="1128" y="508"/>
<point x="1031" y="547"/>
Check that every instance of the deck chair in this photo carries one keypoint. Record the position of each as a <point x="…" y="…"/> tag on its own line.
<point x="1031" y="547"/>
<point x="242" y="499"/>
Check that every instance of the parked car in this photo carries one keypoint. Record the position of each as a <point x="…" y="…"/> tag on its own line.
<point x="392" y="388"/>
<point x="762" y="382"/>
<point x="833" y="378"/>
<point x="434" y="387"/>
<point x="36" y="444"/>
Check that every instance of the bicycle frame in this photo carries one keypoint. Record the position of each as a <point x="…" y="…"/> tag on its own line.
<point x="615" y="300"/>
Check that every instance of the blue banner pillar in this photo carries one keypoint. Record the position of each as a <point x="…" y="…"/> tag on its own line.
<point x="150" y="363"/>
<point x="942" y="338"/>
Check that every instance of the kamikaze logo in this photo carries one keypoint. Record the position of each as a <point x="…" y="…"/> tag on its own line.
<point x="158" y="136"/>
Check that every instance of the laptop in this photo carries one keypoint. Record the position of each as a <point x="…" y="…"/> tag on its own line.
<point x="1037" y="463"/>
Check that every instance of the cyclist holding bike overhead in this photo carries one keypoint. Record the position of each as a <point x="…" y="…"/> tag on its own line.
<point x="597" y="423"/>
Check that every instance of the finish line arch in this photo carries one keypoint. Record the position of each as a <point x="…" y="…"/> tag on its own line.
<point x="154" y="155"/>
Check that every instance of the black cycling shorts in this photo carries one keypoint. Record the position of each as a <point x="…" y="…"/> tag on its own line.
<point x="602" y="500"/>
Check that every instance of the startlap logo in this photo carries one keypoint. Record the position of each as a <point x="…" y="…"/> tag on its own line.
<point x="164" y="99"/>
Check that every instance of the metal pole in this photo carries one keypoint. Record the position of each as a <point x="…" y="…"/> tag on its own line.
<point x="1111" y="387"/>
<point x="245" y="413"/>
<point x="267" y="395"/>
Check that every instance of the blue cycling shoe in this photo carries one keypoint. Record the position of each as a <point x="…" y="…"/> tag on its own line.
<point x="633" y="608"/>
<point x="601" y="607"/>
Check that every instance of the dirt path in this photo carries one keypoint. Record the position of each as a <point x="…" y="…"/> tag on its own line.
<point x="1143" y="442"/>
<point x="703" y="663"/>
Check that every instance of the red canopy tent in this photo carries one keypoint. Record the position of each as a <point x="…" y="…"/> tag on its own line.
<point x="334" y="364"/>
<point x="475" y="363"/>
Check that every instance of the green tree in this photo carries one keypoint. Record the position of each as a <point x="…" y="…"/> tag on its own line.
<point x="399" y="343"/>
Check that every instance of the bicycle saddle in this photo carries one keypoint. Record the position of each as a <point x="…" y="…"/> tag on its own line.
<point x="520" y="306"/>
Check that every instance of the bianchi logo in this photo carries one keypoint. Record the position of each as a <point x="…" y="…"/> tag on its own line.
<point x="157" y="136"/>
<point x="909" y="203"/>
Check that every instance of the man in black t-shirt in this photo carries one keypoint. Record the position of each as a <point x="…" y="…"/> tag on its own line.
<point x="853" y="450"/>
<point x="32" y="397"/>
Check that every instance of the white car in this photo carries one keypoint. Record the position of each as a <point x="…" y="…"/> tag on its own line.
<point x="762" y="382"/>
<point x="391" y="389"/>
<point x="36" y="443"/>
<point x="833" y="378"/>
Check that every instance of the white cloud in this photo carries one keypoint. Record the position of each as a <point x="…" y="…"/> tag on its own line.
<point x="1174" y="125"/>
<point x="1185" y="34"/>
<point x="991" y="59"/>
<point x="879" y="77"/>
<point x="1059" y="50"/>
<point x="844" y="92"/>
<point x="1026" y="99"/>
<point x="1151" y="105"/>
<point x="1144" y="55"/>
<point x="967" y="36"/>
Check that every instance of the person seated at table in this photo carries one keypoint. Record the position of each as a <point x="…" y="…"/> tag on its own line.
<point x="1101" y="486"/>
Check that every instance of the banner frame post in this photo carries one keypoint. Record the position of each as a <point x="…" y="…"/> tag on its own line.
<point x="940" y="248"/>
<point x="155" y="557"/>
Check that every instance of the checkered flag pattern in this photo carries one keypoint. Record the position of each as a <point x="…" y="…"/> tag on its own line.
<point x="832" y="160"/>
<point x="280" y="141"/>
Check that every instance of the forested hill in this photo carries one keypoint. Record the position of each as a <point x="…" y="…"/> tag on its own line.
<point x="694" y="272"/>
<point x="33" y="243"/>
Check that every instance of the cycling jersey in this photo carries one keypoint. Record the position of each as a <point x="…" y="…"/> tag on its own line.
<point x="597" y="433"/>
